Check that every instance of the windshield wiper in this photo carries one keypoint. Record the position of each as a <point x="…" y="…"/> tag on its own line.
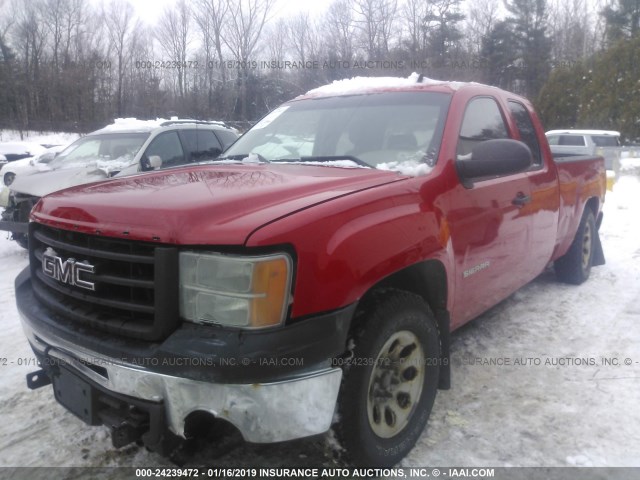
<point x="327" y="158"/>
<point x="242" y="156"/>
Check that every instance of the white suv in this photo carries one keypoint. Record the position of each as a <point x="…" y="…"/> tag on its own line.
<point x="126" y="147"/>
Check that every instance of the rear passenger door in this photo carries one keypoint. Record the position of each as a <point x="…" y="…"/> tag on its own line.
<point x="490" y="228"/>
<point x="200" y="144"/>
<point x="543" y="185"/>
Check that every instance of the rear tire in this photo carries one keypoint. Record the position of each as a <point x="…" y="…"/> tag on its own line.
<point x="390" y="385"/>
<point x="575" y="266"/>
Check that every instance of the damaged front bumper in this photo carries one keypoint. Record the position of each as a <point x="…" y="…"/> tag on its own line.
<point x="263" y="413"/>
<point x="298" y="404"/>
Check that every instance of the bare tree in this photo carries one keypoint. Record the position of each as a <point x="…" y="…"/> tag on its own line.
<point x="339" y="24"/>
<point x="375" y="21"/>
<point x="413" y="14"/>
<point x="246" y="22"/>
<point x="30" y="35"/>
<point x="302" y="35"/>
<point x="210" y="16"/>
<point x="277" y="39"/>
<point x="122" y="28"/>
<point x="173" y="32"/>
<point x="481" y="18"/>
<point x="247" y="19"/>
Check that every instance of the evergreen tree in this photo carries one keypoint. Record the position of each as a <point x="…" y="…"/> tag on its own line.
<point x="623" y="21"/>
<point x="499" y="56"/>
<point x="559" y="102"/>
<point x="441" y="24"/>
<point x="529" y="22"/>
<point x="602" y="94"/>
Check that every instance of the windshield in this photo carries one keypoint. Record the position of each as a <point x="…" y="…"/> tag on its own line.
<point x="110" y="151"/>
<point x="371" y="130"/>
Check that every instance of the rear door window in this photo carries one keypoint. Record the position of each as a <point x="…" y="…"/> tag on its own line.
<point x="527" y="132"/>
<point x="201" y="144"/>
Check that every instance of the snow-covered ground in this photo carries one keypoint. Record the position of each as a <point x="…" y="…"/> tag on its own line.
<point x="568" y="410"/>
<point x="42" y="138"/>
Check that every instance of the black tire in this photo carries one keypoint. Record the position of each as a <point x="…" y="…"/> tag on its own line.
<point x="21" y="239"/>
<point x="575" y="266"/>
<point x="383" y="439"/>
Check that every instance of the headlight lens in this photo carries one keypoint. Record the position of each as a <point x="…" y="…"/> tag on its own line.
<point x="8" y="178"/>
<point x="237" y="291"/>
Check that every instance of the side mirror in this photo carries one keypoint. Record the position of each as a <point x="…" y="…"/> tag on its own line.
<point x="493" y="158"/>
<point x="153" y="162"/>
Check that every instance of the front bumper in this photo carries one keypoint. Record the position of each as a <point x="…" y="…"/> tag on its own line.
<point x="263" y="413"/>
<point x="297" y="405"/>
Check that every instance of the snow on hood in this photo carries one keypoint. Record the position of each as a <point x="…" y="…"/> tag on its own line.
<point x="364" y="84"/>
<point x="332" y="163"/>
<point x="50" y="181"/>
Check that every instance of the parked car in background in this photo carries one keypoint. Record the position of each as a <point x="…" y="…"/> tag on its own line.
<point x="29" y="165"/>
<point x="605" y="143"/>
<point x="126" y="147"/>
<point x="13" y="151"/>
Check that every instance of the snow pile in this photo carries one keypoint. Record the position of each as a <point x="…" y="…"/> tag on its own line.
<point x="332" y="163"/>
<point x="629" y="164"/>
<point x="115" y="165"/>
<point x="124" y="124"/>
<point x="408" y="167"/>
<point x="364" y="84"/>
<point x="130" y="123"/>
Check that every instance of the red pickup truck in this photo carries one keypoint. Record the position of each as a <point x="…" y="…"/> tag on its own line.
<point x="310" y="276"/>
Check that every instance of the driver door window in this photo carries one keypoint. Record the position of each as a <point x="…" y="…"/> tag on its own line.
<point x="482" y="121"/>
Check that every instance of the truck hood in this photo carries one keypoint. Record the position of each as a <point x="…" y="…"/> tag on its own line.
<point x="206" y="205"/>
<point x="43" y="183"/>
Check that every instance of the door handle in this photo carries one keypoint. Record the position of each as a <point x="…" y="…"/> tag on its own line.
<point x="521" y="200"/>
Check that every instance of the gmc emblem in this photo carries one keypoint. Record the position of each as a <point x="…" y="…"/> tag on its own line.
<point x="69" y="271"/>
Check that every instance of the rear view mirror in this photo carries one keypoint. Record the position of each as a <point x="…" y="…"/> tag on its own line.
<point x="493" y="158"/>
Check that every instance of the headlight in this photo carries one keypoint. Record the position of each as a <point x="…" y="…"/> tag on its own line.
<point x="236" y="291"/>
<point x="8" y="178"/>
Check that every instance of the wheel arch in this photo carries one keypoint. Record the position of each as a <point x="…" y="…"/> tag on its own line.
<point x="427" y="279"/>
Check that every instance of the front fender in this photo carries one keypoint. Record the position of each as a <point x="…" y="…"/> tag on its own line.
<point x="347" y="245"/>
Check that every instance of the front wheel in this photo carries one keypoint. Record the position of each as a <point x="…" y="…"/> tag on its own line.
<point x="21" y="239"/>
<point x="390" y="386"/>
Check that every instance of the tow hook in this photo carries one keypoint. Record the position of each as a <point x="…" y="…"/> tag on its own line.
<point x="38" y="379"/>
